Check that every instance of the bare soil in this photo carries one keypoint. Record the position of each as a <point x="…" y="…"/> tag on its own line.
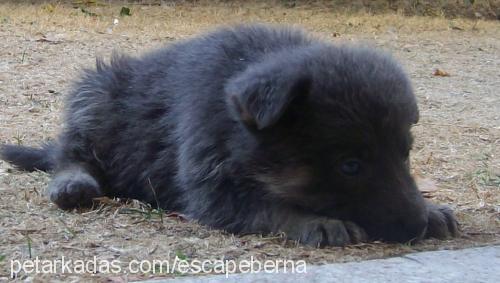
<point x="43" y="47"/>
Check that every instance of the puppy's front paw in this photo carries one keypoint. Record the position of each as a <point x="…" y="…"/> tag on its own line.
<point x="442" y="223"/>
<point x="320" y="232"/>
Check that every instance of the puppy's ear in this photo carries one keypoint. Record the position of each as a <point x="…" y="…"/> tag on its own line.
<point x="261" y="94"/>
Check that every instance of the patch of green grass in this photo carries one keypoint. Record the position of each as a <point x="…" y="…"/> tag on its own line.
<point x="180" y="255"/>
<point x="485" y="177"/>
<point x="88" y="13"/>
<point x="68" y="230"/>
<point x="125" y="11"/>
<point x="158" y="208"/>
<point x="23" y="56"/>
<point x="29" y="242"/>
<point x="89" y="3"/>
<point x="19" y="138"/>
<point x="148" y="213"/>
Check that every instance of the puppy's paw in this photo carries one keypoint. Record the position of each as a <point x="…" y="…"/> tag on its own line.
<point x="73" y="189"/>
<point x="442" y="223"/>
<point x="320" y="232"/>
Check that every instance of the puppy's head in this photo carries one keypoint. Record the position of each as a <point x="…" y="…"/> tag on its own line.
<point x="328" y="129"/>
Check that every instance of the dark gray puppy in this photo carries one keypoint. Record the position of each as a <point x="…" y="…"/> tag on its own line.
<point x="251" y="129"/>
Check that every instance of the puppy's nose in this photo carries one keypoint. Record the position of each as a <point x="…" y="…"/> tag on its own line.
<point x="412" y="230"/>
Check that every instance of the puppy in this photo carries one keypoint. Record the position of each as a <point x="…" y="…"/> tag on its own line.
<point x="250" y="129"/>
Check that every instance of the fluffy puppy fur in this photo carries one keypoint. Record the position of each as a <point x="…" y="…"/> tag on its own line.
<point x="250" y="129"/>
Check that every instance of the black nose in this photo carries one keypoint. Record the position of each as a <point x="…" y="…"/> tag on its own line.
<point x="416" y="229"/>
<point x="407" y="230"/>
<point x="402" y="230"/>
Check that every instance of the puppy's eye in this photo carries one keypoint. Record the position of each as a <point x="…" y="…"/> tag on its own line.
<point x="350" y="167"/>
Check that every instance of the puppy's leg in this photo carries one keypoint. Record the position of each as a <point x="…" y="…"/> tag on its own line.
<point x="311" y="229"/>
<point x="442" y="223"/>
<point x="264" y="216"/>
<point x="73" y="186"/>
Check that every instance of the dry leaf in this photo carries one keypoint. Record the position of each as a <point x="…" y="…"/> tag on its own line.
<point x="48" y="8"/>
<point x="52" y="39"/>
<point x="426" y="186"/>
<point x="106" y="200"/>
<point x="179" y="216"/>
<point x="441" y="73"/>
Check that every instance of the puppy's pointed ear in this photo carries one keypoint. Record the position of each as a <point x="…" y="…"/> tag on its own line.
<point x="261" y="94"/>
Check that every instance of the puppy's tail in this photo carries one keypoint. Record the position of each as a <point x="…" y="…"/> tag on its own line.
<point x="29" y="158"/>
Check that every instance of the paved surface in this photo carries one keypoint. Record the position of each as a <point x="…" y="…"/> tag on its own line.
<point x="468" y="265"/>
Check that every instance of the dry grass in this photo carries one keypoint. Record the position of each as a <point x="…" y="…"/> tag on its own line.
<point x="43" y="47"/>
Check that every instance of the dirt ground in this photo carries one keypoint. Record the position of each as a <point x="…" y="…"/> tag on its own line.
<point x="43" y="47"/>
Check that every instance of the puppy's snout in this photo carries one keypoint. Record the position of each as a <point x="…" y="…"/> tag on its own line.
<point x="404" y="230"/>
<point x="413" y="215"/>
<point x="411" y="223"/>
<point x="403" y="218"/>
<point x="414" y="229"/>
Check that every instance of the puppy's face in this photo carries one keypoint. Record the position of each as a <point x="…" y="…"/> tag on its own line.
<point x="328" y="130"/>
